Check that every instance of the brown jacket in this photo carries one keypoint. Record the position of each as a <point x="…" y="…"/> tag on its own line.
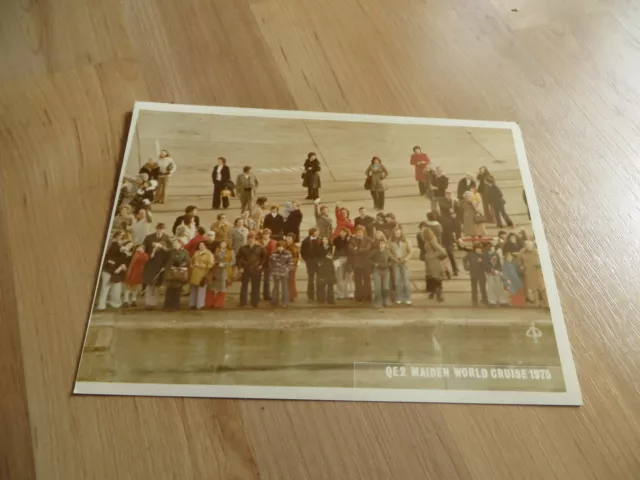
<point x="221" y="229"/>
<point x="201" y="264"/>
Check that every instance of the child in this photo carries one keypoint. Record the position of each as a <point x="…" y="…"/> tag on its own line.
<point x="326" y="272"/>
<point x="280" y="264"/>
<point x="133" y="279"/>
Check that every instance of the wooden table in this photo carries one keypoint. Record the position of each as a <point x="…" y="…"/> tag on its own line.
<point x="566" y="71"/>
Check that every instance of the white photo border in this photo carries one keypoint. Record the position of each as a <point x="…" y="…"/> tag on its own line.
<point x="570" y="397"/>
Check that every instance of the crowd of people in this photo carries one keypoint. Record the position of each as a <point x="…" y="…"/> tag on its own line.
<point x="361" y="259"/>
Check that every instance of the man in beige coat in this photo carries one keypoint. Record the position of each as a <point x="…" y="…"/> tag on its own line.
<point x="246" y="187"/>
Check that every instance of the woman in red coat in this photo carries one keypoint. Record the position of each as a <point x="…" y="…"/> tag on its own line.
<point x="133" y="279"/>
<point x="420" y="162"/>
<point x="343" y="220"/>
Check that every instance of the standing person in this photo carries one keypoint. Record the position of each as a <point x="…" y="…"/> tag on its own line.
<point x="376" y="173"/>
<point x="259" y="212"/>
<point x="123" y="220"/>
<point x="360" y="246"/>
<point x="167" y="167"/>
<point x="420" y="162"/>
<point x="251" y="260"/>
<point x="512" y="245"/>
<point x="269" y="244"/>
<point x="343" y="268"/>
<point x="378" y="237"/>
<point x="177" y="274"/>
<point x="156" y="245"/>
<point x="238" y="235"/>
<point x="311" y="176"/>
<point x="310" y="252"/>
<point x="449" y="205"/>
<point x="294" y="250"/>
<point x="343" y="221"/>
<point x="326" y="272"/>
<point x="440" y="183"/>
<point x="324" y="223"/>
<point x="449" y="238"/>
<point x="182" y="235"/>
<point x="472" y="218"/>
<point x="274" y="222"/>
<point x="496" y="202"/>
<point x="466" y="184"/>
<point x="433" y="256"/>
<point x="280" y="266"/>
<point x="219" y="278"/>
<point x="221" y="227"/>
<point x="201" y="265"/>
<point x="190" y="215"/>
<point x="145" y="193"/>
<point x="529" y="261"/>
<point x="364" y="220"/>
<point x="380" y="224"/>
<point x="483" y="176"/>
<point x="493" y="277"/>
<point x="246" y="185"/>
<point x="249" y="222"/>
<point x="293" y="221"/>
<point x="192" y="246"/>
<point x="211" y="242"/>
<point x="512" y="281"/>
<point x="475" y="264"/>
<point x="113" y="272"/>
<point x="151" y="168"/>
<point x="220" y="176"/>
<point x="434" y="225"/>
<point x="141" y="226"/>
<point x="380" y="261"/>
<point x="390" y="224"/>
<point x="400" y="249"/>
<point x="133" y="278"/>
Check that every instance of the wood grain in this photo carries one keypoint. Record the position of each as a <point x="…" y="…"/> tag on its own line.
<point x="566" y="71"/>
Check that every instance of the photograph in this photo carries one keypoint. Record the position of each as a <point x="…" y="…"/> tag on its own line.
<point x="308" y="255"/>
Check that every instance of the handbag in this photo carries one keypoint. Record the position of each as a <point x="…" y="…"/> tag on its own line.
<point x="479" y="218"/>
<point x="178" y="274"/>
<point x="367" y="183"/>
<point x="225" y="192"/>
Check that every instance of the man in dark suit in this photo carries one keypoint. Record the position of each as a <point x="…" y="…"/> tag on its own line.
<point x="440" y="183"/>
<point x="465" y="184"/>
<point x="496" y="200"/>
<point x="310" y="252"/>
<point x="365" y="220"/>
<point x="157" y="246"/>
<point x="451" y="207"/>
<point x="474" y="262"/>
<point x="190" y="212"/>
<point x="448" y="238"/>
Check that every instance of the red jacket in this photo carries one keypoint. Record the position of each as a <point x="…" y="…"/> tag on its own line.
<point x="270" y="247"/>
<point x="342" y="222"/>
<point x="192" y="245"/>
<point x="134" y="273"/>
<point x="416" y="158"/>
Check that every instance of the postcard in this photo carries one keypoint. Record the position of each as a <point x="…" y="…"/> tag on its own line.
<point x="327" y="256"/>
